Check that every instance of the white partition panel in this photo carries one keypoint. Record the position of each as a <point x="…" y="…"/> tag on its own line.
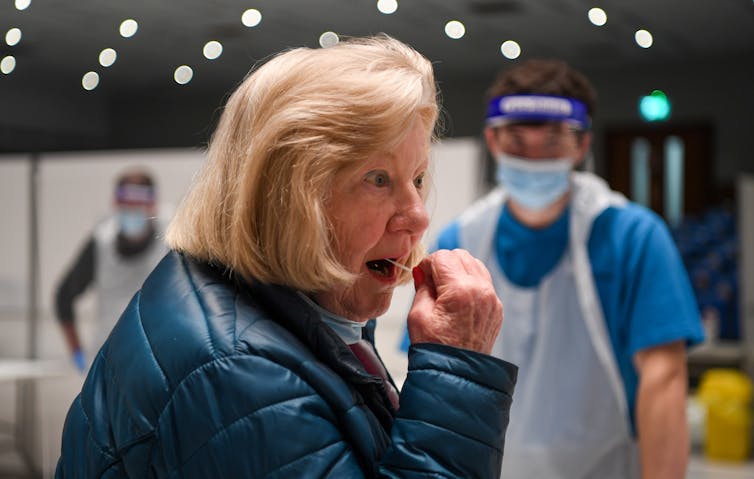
<point x="14" y="218"/>
<point x="14" y="253"/>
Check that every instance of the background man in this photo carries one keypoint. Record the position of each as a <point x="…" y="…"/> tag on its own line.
<point x="598" y="306"/>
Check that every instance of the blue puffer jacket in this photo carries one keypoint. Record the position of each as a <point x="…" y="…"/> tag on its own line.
<point x="204" y="377"/>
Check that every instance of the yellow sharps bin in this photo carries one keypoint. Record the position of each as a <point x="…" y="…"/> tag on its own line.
<point x="726" y="395"/>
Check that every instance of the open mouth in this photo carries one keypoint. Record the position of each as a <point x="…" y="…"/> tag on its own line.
<point x="382" y="267"/>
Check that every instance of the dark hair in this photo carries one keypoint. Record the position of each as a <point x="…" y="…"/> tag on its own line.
<point x="546" y="77"/>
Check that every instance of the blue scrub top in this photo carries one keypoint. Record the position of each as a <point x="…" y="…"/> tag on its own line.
<point x="643" y="287"/>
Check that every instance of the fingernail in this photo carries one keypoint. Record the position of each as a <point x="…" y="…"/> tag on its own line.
<point x="418" y="277"/>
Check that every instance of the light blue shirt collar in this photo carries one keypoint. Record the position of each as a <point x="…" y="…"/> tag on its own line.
<point x="349" y="331"/>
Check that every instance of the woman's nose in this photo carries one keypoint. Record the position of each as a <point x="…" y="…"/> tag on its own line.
<point x="411" y="215"/>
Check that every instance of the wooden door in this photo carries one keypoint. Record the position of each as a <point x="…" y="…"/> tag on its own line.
<point x="698" y="182"/>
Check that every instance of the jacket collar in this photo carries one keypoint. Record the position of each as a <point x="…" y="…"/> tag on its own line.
<point x="285" y="307"/>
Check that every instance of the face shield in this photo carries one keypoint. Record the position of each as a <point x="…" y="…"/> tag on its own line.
<point x="536" y="184"/>
<point x="529" y="108"/>
<point x="134" y="206"/>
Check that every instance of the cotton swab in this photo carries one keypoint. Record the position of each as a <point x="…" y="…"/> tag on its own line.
<point x="401" y="266"/>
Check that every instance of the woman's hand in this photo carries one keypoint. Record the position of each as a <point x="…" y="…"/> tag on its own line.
<point x="455" y="302"/>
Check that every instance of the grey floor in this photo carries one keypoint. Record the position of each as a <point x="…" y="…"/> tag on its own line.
<point x="54" y="394"/>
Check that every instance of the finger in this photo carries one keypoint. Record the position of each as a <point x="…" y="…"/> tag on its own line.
<point x="421" y="310"/>
<point x="444" y="266"/>
<point x="472" y="265"/>
<point x="481" y="270"/>
<point x="465" y="261"/>
<point x="425" y="277"/>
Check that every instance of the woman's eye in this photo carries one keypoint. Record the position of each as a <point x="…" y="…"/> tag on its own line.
<point x="419" y="181"/>
<point x="378" y="178"/>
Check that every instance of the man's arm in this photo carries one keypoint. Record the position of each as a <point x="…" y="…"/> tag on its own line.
<point x="76" y="280"/>
<point x="661" y="411"/>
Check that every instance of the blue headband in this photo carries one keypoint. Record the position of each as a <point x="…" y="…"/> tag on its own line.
<point x="134" y="194"/>
<point x="526" y="107"/>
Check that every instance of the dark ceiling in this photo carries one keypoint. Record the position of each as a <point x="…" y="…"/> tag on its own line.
<point x="62" y="38"/>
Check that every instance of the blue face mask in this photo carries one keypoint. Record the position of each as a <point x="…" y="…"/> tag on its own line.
<point x="534" y="184"/>
<point x="133" y="223"/>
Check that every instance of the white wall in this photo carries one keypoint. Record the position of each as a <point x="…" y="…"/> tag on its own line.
<point x="14" y="217"/>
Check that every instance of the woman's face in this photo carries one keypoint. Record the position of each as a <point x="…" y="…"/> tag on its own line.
<point x="377" y="212"/>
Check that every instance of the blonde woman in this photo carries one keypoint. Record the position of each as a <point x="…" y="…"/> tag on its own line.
<point x="249" y="351"/>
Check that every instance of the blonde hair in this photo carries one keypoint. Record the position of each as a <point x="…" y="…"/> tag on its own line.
<point x="258" y="206"/>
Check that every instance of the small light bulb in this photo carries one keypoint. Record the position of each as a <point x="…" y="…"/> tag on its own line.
<point x="510" y="49"/>
<point x="643" y="38"/>
<point x="212" y="50"/>
<point x="597" y="16"/>
<point x="7" y="64"/>
<point x="455" y="29"/>
<point x="22" y="4"/>
<point x="387" y="6"/>
<point x="13" y="37"/>
<point x="328" y="39"/>
<point x="251" y="17"/>
<point x="107" y="57"/>
<point x="128" y="28"/>
<point x="183" y="74"/>
<point x="90" y="80"/>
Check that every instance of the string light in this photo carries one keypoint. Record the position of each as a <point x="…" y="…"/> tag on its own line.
<point x="212" y="50"/>
<point x="455" y="29"/>
<point x="90" y="80"/>
<point x="13" y="36"/>
<point x="597" y="16"/>
<point x="643" y="38"/>
<point x="22" y="4"/>
<point x="387" y="6"/>
<point x="128" y="28"/>
<point x="510" y="49"/>
<point x="183" y="74"/>
<point x="107" y="57"/>
<point x="251" y="17"/>
<point x="7" y="64"/>
<point x="328" y="39"/>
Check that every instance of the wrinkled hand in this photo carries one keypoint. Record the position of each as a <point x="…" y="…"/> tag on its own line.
<point x="455" y="302"/>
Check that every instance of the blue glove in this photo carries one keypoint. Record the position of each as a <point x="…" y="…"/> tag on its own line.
<point x="79" y="360"/>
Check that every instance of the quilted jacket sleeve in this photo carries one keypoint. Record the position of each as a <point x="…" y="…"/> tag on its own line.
<point x="451" y="423"/>
<point x="453" y="415"/>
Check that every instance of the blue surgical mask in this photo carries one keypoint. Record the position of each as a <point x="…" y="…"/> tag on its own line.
<point x="534" y="184"/>
<point x="133" y="223"/>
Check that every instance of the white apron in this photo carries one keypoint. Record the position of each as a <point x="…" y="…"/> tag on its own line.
<point x="569" y="417"/>
<point x="117" y="279"/>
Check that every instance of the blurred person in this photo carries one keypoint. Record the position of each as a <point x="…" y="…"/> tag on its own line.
<point x="120" y="253"/>
<point x="599" y="308"/>
<point x="248" y="352"/>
